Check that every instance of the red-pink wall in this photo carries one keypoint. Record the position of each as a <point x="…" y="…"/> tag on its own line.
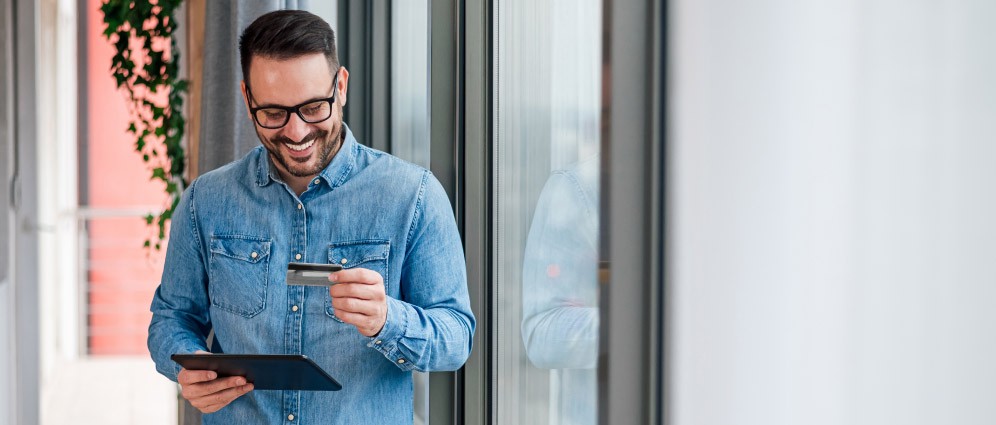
<point x="122" y="274"/>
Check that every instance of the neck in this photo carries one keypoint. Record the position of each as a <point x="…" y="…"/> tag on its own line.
<point x="297" y="184"/>
<point x="300" y="184"/>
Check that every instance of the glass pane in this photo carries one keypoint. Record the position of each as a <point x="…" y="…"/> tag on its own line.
<point x="410" y="81"/>
<point x="410" y="116"/>
<point x="547" y="106"/>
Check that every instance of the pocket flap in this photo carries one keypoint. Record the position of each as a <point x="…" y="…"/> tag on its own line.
<point x="245" y="248"/>
<point x="354" y="253"/>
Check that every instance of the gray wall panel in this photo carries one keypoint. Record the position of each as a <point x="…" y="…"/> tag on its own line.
<point x="25" y="206"/>
<point x="6" y="153"/>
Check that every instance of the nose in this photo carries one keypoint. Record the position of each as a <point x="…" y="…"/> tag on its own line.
<point x="296" y="129"/>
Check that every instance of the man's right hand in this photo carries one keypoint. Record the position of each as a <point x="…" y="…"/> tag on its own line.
<point x="208" y="393"/>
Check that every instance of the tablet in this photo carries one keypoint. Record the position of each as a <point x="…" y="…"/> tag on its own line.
<point x="264" y="371"/>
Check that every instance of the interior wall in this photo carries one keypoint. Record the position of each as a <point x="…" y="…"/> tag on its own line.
<point x="831" y="210"/>
<point x="6" y="252"/>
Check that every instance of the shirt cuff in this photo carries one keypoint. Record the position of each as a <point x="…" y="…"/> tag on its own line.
<point x="188" y="348"/>
<point x="387" y="341"/>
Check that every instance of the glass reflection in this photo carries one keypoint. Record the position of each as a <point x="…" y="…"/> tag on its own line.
<point x="560" y="290"/>
<point x="547" y="106"/>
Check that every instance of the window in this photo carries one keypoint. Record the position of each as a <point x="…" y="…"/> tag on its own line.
<point x="546" y="118"/>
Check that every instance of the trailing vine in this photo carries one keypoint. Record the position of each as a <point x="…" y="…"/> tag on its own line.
<point x="145" y="72"/>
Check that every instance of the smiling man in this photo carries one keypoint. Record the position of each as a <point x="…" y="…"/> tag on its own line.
<point x="311" y="193"/>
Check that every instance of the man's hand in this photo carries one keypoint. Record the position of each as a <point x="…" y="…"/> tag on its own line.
<point x="358" y="298"/>
<point x="208" y="393"/>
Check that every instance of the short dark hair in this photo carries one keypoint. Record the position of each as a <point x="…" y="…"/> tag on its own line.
<point x="287" y="34"/>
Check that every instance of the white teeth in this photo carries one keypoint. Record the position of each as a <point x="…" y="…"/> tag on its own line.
<point x="299" y="148"/>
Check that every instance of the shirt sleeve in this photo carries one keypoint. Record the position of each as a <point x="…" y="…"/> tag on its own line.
<point x="559" y="286"/>
<point x="431" y="327"/>
<point x="180" y="306"/>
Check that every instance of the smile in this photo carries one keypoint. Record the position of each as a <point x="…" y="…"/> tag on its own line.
<point x="300" y="147"/>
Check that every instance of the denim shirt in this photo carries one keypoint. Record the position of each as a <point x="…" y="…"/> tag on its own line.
<point x="233" y="233"/>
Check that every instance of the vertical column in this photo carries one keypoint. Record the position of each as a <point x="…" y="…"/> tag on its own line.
<point x="631" y="198"/>
<point x="25" y="17"/>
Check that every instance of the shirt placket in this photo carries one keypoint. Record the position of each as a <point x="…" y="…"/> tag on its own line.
<point x="295" y="304"/>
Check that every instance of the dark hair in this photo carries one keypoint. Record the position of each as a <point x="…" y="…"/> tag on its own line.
<point x="287" y="34"/>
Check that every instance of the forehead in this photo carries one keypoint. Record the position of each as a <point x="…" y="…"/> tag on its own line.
<point x="289" y="81"/>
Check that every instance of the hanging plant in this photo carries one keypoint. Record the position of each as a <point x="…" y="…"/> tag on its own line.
<point x="146" y="65"/>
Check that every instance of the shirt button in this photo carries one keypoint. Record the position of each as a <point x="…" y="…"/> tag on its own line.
<point x="290" y="417"/>
<point x="317" y="181"/>
<point x="294" y="308"/>
<point x="254" y="254"/>
<point x="377" y="342"/>
<point x="344" y="261"/>
<point x="401" y="361"/>
<point x="300" y="206"/>
<point x="297" y="257"/>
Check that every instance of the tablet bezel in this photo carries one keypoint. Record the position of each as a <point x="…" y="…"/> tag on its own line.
<point x="264" y="371"/>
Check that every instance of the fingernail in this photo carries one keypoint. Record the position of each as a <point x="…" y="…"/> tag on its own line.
<point x="212" y="375"/>
<point x="333" y="277"/>
<point x="240" y="381"/>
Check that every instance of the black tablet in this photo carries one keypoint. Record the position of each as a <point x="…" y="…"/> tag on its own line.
<point x="264" y="371"/>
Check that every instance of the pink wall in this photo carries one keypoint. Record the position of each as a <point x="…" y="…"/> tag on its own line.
<point x="122" y="274"/>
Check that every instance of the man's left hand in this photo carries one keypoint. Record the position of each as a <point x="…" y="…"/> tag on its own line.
<point x="359" y="299"/>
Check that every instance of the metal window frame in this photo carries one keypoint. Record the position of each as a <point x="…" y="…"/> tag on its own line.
<point x="630" y="375"/>
<point x="364" y="48"/>
<point x="475" y="61"/>
<point x="23" y="203"/>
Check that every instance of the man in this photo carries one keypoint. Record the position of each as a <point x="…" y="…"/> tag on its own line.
<point x="311" y="193"/>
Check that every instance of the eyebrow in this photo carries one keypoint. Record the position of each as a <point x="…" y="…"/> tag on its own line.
<point x="274" y="105"/>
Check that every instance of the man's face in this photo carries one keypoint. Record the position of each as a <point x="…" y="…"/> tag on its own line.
<point x="298" y="149"/>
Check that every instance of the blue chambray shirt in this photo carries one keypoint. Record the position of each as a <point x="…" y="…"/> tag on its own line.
<point x="233" y="233"/>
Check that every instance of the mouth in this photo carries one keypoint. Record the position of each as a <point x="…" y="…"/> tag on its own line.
<point x="300" y="150"/>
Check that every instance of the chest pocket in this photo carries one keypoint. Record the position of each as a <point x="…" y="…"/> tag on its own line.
<point x="239" y="266"/>
<point x="367" y="254"/>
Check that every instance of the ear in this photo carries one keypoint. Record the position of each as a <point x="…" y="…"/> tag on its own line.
<point x="245" y="98"/>
<point x="343" y="86"/>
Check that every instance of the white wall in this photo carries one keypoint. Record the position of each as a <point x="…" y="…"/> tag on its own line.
<point x="833" y="212"/>
<point x="6" y="349"/>
<point x="58" y="234"/>
<point x="6" y="228"/>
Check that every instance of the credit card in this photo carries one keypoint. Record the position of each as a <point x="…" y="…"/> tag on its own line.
<point x="309" y="274"/>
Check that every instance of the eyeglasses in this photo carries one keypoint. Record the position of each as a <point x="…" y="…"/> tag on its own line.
<point x="311" y="112"/>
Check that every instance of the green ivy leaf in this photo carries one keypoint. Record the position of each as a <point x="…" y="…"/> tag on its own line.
<point x="143" y="21"/>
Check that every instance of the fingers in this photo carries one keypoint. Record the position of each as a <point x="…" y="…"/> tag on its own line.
<point x="208" y="388"/>
<point x="358" y="283"/>
<point x="367" y="325"/>
<point x="216" y="401"/>
<point x="358" y="299"/>
<point x="357" y="275"/>
<point x="211" y="395"/>
<point x="358" y="305"/>
<point x="357" y="290"/>
<point x="187" y="377"/>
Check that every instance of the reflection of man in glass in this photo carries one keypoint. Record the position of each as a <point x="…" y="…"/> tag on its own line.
<point x="560" y="290"/>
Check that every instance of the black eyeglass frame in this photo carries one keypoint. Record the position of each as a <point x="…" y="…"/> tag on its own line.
<point x="294" y="109"/>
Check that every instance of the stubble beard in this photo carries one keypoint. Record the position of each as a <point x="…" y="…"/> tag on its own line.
<point x="327" y="142"/>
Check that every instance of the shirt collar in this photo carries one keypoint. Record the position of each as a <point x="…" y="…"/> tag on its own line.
<point x="333" y="175"/>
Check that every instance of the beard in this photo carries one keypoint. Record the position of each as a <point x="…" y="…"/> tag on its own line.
<point x="327" y="144"/>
